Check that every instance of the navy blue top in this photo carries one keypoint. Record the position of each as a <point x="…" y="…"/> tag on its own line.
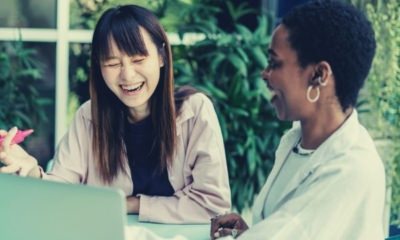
<point x="143" y="157"/>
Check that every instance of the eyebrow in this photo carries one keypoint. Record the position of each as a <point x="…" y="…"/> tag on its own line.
<point x="110" y="58"/>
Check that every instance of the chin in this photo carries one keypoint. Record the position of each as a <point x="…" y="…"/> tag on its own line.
<point x="282" y="118"/>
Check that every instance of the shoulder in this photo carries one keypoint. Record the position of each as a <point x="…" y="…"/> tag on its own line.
<point x="85" y="111"/>
<point x="197" y="101"/>
<point x="364" y="156"/>
<point x="358" y="162"/>
<point x="196" y="104"/>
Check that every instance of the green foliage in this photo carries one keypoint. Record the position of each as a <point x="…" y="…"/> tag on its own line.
<point x="227" y="66"/>
<point x="20" y="102"/>
<point x="84" y="15"/>
<point x="383" y="89"/>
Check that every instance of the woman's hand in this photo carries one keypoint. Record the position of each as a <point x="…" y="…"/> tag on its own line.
<point x="133" y="204"/>
<point x="14" y="157"/>
<point x="227" y="224"/>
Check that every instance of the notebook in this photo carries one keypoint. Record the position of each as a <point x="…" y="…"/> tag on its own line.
<point x="33" y="209"/>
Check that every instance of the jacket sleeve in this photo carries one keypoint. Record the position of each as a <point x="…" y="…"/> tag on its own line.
<point x="329" y="205"/>
<point x="69" y="160"/>
<point x="207" y="192"/>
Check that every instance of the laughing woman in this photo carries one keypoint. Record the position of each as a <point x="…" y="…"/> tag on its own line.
<point x="328" y="181"/>
<point x="162" y="147"/>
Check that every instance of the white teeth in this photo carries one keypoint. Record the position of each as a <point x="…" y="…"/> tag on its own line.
<point x="273" y="94"/>
<point x="131" y="87"/>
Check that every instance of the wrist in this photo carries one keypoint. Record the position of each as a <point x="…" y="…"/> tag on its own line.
<point x="133" y="204"/>
<point x="36" y="171"/>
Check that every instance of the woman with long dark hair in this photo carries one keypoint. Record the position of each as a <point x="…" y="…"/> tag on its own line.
<point x="163" y="147"/>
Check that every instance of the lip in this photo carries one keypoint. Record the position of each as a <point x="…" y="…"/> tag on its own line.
<point x="132" y="85"/>
<point x="274" y="95"/>
<point x="127" y="88"/>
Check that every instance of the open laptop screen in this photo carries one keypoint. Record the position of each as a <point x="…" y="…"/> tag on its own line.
<point x="37" y="209"/>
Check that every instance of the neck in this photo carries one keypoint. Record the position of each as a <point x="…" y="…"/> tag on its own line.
<point x="316" y="129"/>
<point x="137" y="114"/>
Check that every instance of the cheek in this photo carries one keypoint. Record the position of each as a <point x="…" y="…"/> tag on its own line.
<point x="152" y="73"/>
<point x="109" y="79"/>
<point x="108" y="75"/>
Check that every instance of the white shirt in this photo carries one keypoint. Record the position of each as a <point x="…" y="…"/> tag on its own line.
<point x="294" y="162"/>
<point x="338" y="194"/>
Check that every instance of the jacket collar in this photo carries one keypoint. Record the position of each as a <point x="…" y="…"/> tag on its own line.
<point x="341" y="140"/>
<point x="185" y="114"/>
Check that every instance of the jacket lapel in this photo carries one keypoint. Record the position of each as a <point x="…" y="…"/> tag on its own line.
<point x="323" y="153"/>
<point x="287" y="142"/>
<point x="331" y="145"/>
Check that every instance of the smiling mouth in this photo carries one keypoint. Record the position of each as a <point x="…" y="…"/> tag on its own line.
<point x="131" y="89"/>
<point x="274" y="95"/>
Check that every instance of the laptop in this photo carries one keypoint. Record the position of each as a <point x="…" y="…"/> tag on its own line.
<point x="34" y="209"/>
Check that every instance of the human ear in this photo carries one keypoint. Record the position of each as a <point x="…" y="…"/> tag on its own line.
<point x="323" y="73"/>
<point x="161" y="56"/>
<point x="160" y="61"/>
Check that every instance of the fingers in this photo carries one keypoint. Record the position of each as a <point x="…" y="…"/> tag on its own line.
<point x="7" y="140"/>
<point x="223" y="232"/>
<point x="13" y="168"/>
<point x="24" y="171"/>
<point x="226" y="220"/>
<point x="223" y="224"/>
<point x="3" y="156"/>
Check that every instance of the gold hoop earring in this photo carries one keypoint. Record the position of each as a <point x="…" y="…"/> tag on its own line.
<point x="312" y="100"/>
<point x="321" y="82"/>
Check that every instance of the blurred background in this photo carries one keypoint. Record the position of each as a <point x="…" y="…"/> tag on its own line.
<point x="219" y="47"/>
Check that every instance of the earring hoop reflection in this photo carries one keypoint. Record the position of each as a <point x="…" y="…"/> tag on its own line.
<point x="309" y="98"/>
<point x="321" y="82"/>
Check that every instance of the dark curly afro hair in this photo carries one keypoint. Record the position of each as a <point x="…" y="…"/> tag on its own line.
<point x="339" y="34"/>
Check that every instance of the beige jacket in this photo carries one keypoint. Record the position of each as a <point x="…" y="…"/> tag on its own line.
<point x="198" y="174"/>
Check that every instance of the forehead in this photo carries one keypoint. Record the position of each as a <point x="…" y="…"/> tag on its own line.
<point x="142" y="46"/>
<point x="280" y="45"/>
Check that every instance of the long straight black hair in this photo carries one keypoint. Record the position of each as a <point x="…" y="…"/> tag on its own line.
<point x="123" y="24"/>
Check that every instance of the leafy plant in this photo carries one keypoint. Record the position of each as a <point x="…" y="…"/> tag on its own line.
<point x="85" y="14"/>
<point x="384" y="95"/>
<point x="227" y="66"/>
<point x="20" y="102"/>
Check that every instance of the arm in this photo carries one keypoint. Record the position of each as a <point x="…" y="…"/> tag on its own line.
<point x="337" y="202"/>
<point x="207" y="192"/>
<point x="70" y="159"/>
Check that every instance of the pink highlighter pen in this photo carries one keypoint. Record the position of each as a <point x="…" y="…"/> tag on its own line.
<point x="19" y="136"/>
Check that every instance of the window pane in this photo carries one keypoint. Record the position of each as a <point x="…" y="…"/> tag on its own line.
<point x="79" y="57"/>
<point x="27" y="76"/>
<point x="28" y="14"/>
<point x="85" y="13"/>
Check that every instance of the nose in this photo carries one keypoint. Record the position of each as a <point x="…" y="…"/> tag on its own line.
<point x="128" y="72"/>
<point x="265" y="73"/>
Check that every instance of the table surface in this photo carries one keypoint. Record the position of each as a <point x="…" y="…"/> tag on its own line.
<point x="190" y="231"/>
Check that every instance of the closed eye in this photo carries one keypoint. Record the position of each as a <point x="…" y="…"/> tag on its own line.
<point x="138" y="59"/>
<point x="272" y="64"/>
<point x="113" y="65"/>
